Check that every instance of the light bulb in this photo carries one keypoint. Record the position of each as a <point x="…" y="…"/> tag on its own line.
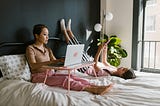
<point x="98" y="27"/>
<point x="109" y="16"/>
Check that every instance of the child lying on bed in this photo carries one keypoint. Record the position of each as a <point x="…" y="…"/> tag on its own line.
<point x="101" y="68"/>
<point x="39" y="55"/>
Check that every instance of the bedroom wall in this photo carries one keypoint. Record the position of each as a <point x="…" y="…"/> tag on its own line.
<point x="121" y="24"/>
<point x="19" y="16"/>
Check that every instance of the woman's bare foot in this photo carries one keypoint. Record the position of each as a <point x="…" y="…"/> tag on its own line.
<point x="99" y="90"/>
<point x="107" y="89"/>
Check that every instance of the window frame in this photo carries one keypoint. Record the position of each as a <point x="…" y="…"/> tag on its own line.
<point x="138" y="29"/>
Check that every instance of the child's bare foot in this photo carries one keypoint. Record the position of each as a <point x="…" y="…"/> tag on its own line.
<point x="62" y="24"/>
<point x="69" y="25"/>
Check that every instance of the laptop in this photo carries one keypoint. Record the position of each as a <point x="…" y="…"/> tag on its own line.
<point x="73" y="56"/>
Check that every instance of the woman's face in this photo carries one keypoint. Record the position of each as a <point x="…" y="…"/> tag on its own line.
<point x="43" y="37"/>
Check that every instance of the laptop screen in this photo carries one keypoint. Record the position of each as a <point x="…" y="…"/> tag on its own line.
<point x="74" y="54"/>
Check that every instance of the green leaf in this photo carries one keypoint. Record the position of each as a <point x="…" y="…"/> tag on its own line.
<point x="113" y="36"/>
<point x="106" y="37"/>
<point x="114" y="61"/>
<point x="124" y="53"/>
<point x="114" y="41"/>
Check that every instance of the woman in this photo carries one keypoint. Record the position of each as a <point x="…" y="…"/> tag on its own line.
<point x="101" y="68"/>
<point x="39" y="55"/>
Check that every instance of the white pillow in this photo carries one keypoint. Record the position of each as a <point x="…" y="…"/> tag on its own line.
<point x="15" y="67"/>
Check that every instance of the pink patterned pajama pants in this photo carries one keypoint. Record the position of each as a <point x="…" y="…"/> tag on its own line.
<point x="60" y="80"/>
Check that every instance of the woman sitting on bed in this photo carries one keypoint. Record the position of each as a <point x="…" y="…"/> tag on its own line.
<point x="39" y="55"/>
<point x="101" y="68"/>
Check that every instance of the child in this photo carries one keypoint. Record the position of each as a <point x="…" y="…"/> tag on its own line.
<point x="101" y="68"/>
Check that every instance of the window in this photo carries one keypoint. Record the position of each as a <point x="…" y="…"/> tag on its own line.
<point x="150" y="23"/>
<point x="151" y="3"/>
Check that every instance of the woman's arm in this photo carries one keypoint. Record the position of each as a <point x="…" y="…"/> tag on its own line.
<point x="38" y="66"/>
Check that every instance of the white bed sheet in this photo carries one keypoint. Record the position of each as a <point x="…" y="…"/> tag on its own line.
<point x="142" y="91"/>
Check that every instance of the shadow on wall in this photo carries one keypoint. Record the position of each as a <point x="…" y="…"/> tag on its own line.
<point x="92" y="47"/>
<point x="24" y="35"/>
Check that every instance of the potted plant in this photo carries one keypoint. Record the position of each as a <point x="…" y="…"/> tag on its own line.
<point x="115" y="52"/>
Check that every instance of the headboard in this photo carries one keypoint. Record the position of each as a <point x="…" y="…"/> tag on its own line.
<point x="8" y="48"/>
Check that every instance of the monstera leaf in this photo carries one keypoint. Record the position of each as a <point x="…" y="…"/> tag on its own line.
<point x="115" y="52"/>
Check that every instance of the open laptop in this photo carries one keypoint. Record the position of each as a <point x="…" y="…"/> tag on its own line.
<point x="73" y="56"/>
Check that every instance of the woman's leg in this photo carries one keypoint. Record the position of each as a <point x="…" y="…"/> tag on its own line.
<point x="80" y="84"/>
<point x="61" y="80"/>
<point x="86" y="86"/>
<point x="77" y="84"/>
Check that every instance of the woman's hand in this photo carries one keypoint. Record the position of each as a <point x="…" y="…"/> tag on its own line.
<point x="58" y="60"/>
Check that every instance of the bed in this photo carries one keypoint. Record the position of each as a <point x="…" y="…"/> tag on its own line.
<point x="17" y="90"/>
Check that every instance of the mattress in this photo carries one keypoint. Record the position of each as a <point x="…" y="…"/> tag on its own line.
<point x="141" y="91"/>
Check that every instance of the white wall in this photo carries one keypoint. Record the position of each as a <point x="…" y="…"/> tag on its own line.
<point x="121" y="24"/>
